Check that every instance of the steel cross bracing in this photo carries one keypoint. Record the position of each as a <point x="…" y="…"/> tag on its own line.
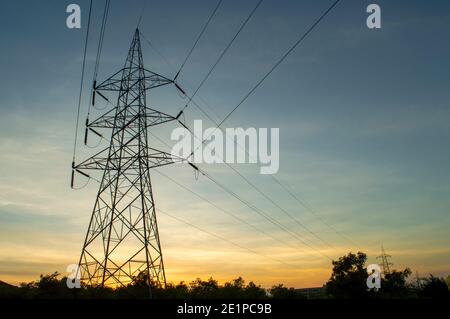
<point x="385" y="264"/>
<point x="122" y="241"/>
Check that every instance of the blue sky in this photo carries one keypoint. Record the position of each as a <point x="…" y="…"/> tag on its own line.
<point x="363" y="117"/>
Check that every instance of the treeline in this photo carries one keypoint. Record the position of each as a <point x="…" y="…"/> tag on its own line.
<point x="348" y="280"/>
<point x="53" y="286"/>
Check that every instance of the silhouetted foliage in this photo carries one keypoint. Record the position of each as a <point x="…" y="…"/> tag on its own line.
<point x="435" y="288"/>
<point x="394" y="284"/>
<point x="252" y="291"/>
<point x="204" y="289"/>
<point x="281" y="292"/>
<point x="47" y="287"/>
<point x="172" y="291"/>
<point x="348" y="280"/>
<point x="349" y="276"/>
<point x="9" y="291"/>
<point x="50" y="287"/>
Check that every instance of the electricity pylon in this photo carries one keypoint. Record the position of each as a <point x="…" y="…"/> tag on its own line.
<point x="385" y="264"/>
<point x="122" y="241"/>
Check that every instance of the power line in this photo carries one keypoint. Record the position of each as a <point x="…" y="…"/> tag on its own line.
<point x="312" y="211"/>
<point x="96" y="67"/>
<point x="295" y="220"/>
<point x="99" y="48"/>
<point x="262" y="213"/>
<point x="272" y="70"/>
<point x="254" y="208"/>
<point x="97" y="60"/>
<point x="307" y="32"/>
<point x="267" y="197"/>
<point x="82" y="80"/>
<point x="170" y="65"/>
<point x="142" y="13"/>
<point x="118" y="193"/>
<point x="250" y="183"/>
<point x="102" y="35"/>
<point x="224" y="239"/>
<point x="251" y="206"/>
<point x="245" y="202"/>
<point x="224" y="210"/>
<point x="224" y="52"/>
<point x="301" y="202"/>
<point x="213" y="121"/>
<point x="154" y="48"/>
<point x="198" y="37"/>
<point x="282" y="59"/>
<point x="215" y="235"/>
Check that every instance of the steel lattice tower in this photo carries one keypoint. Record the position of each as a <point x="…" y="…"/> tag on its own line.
<point x="122" y="240"/>
<point x="385" y="264"/>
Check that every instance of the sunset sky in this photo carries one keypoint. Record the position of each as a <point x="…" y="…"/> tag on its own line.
<point x="364" y="134"/>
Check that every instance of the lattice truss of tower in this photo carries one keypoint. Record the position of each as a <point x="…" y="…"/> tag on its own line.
<point x="122" y="240"/>
<point x="385" y="264"/>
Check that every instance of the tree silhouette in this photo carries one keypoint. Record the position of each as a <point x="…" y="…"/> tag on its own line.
<point x="435" y="288"/>
<point x="349" y="276"/>
<point x="394" y="284"/>
<point x="252" y="291"/>
<point x="348" y="280"/>
<point x="204" y="289"/>
<point x="281" y="292"/>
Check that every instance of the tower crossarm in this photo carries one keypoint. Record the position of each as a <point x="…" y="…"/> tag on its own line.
<point x="156" y="158"/>
<point x="385" y="255"/>
<point x="153" y="117"/>
<point x="152" y="80"/>
<point x="110" y="84"/>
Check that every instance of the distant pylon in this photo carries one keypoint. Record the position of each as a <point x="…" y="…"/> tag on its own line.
<point x="123" y="241"/>
<point x="385" y="264"/>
